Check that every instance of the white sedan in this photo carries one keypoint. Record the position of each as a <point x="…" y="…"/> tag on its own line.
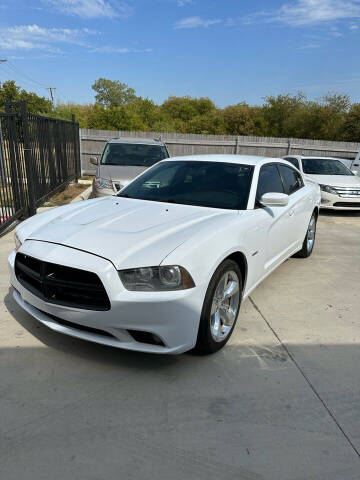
<point x="340" y="187"/>
<point x="163" y="266"/>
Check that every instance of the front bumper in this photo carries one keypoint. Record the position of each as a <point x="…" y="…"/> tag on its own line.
<point x="172" y="316"/>
<point x="337" y="202"/>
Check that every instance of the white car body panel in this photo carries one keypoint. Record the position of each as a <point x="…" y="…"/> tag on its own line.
<point x="110" y="234"/>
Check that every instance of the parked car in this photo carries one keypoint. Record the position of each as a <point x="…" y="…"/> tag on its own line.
<point x="122" y="160"/>
<point x="163" y="266"/>
<point x="340" y="187"/>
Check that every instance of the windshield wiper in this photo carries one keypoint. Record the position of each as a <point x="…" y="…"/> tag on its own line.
<point x="126" y="195"/>
<point x="166" y="200"/>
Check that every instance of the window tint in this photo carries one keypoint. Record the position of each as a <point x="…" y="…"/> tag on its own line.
<point x="294" y="161"/>
<point x="129" y="154"/>
<point x="324" y="166"/>
<point x="205" y="184"/>
<point x="269" y="181"/>
<point x="291" y="178"/>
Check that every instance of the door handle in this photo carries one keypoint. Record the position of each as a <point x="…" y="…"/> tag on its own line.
<point x="291" y="213"/>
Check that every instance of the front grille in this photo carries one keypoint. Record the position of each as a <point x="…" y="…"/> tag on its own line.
<point x="348" y="192"/>
<point x="347" y="204"/>
<point x="61" y="285"/>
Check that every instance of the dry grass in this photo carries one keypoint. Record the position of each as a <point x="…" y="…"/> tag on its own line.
<point x="60" y="198"/>
<point x="65" y="196"/>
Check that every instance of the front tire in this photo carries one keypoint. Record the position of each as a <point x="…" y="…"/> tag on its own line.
<point x="309" y="240"/>
<point x="221" y="308"/>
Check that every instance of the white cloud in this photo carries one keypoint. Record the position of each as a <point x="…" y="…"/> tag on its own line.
<point x="310" y="46"/>
<point x="92" y="8"/>
<point x="184" y="3"/>
<point x="110" y="49"/>
<point x="31" y="37"/>
<point x="315" y="11"/>
<point x="195" y="22"/>
<point x="308" y="12"/>
<point x="354" y="27"/>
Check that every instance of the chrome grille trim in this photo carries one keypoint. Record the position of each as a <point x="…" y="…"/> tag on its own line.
<point x="348" y="192"/>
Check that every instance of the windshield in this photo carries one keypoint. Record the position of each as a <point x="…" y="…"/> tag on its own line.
<point x="205" y="184"/>
<point x="130" y="154"/>
<point x="324" y="166"/>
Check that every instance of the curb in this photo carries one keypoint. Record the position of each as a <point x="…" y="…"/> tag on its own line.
<point x="85" y="195"/>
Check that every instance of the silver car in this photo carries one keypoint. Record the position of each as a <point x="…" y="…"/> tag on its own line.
<point x="122" y="160"/>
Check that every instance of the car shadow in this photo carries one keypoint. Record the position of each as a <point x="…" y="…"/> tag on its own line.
<point x="339" y="213"/>
<point x="81" y="348"/>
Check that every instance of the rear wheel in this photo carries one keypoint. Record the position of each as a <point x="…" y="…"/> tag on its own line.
<point x="220" y="309"/>
<point x="309" y="240"/>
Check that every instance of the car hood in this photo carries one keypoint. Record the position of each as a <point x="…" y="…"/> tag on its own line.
<point x="336" y="180"/>
<point x="128" y="232"/>
<point x="118" y="173"/>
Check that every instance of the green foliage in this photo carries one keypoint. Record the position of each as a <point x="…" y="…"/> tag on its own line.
<point x="117" y="107"/>
<point x="186" y="108"/>
<point x="351" y="127"/>
<point x="112" y="93"/>
<point x="241" y="119"/>
<point x="11" y="92"/>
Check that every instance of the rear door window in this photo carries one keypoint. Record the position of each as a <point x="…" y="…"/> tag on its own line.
<point x="291" y="178"/>
<point x="269" y="181"/>
<point x="294" y="161"/>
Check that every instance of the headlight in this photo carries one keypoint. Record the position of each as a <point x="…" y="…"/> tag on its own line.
<point x="328" y="189"/>
<point x="17" y="242"/>
<point x="156" y="279"/>
<point x="102" y="183"/>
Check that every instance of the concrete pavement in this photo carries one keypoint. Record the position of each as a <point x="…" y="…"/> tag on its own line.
<point x="280" y="402"/>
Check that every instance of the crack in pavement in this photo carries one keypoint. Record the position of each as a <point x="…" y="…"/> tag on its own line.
<point x="307" y="379"/>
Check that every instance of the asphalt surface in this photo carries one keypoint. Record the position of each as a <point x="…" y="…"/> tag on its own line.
<point x="280" y="402"/>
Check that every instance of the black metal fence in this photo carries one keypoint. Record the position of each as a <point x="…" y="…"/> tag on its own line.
<point x="38" y="156"/>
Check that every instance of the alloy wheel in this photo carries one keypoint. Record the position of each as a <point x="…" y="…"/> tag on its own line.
<point x="225" y="306"/>
<point x="310" y="237"/>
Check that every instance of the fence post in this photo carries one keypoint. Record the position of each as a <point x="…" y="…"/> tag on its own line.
<point x="237" y="146"/>
<point x="289" y="146"/>
<point x="13" y="168"/>
<point x="24" y="115"/>
<point x="76" y="148"/>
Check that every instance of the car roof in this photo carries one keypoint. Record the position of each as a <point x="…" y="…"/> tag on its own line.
<point x="315" y="157"/>
<point x="228" y="158"/>
<point x="140" y="141"/>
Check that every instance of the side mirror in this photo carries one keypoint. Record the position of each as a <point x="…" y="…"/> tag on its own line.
<point x="94" y="160"/>
<point x="273" y="199"/>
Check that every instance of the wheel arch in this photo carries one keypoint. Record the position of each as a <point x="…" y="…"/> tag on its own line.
<point x="241" y="260"/>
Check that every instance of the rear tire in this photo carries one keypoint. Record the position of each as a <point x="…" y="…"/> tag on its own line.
<point x="220" y="309"/>
<point x="309" y="240"/>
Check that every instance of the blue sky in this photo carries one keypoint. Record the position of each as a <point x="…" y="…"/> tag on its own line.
<point x="230" y="50"/>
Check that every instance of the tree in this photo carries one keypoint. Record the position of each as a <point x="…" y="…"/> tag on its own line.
<point x="10" y="92"/>
<point x="210" y="123"/>
<point x="241" y="119"/>
<point x="277" y="110"/>
<point x="351" y="127"/>
<point x="112" y="93"/>
<point x="186" y="108"/>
